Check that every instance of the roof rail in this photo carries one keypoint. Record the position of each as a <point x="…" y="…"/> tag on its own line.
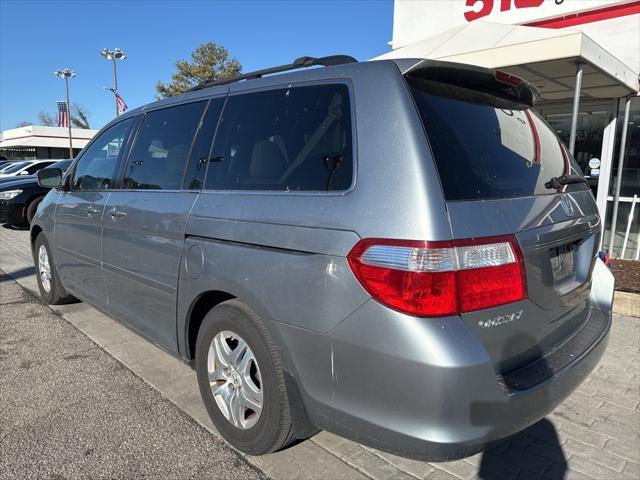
<point x="301" y="62"/>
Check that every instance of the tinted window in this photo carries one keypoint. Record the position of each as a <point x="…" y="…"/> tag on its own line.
<point x="485" y="149"/>
<point x="194" y="178"/>
<point x="37" y="166"/>
<point x="159" y="155"/>
<point x="292" y="139"/>
<point x="14" y="167"/>
<point x="97" y="167"/>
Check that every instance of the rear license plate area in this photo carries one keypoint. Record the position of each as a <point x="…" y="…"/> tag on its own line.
<point x="562" y="264"/>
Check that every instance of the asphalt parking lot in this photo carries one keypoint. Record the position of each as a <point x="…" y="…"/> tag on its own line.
<point x="69" y="409"/>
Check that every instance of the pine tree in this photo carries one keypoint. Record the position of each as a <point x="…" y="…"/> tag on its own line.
<point x="208" y="61"/>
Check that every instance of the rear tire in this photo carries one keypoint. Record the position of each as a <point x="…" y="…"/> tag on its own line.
<point x="51" y="290"/>
<point x="234" y="323"/>
<point x="31" y="209"/>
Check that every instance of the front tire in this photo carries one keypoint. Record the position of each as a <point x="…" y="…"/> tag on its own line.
<point x="51" y="290"/>
<point x="241" y="380"/>
<point x="31" y="209"/>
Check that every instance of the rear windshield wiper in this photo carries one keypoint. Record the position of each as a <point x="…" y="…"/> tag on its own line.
<point x="559" y="182"/>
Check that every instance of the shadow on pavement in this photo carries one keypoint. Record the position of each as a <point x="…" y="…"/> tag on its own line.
<point x="23" y="272"/>
<point x="15" y="227"/>
<point x="511" y="455"/>
<point x="534" y="452"/>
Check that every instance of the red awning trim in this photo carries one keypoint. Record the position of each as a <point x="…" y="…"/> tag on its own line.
<point x="580" y="18"/>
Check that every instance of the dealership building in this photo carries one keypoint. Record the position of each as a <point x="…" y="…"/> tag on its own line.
<point x="583" y="56"/>
<point x="35" y="142"/>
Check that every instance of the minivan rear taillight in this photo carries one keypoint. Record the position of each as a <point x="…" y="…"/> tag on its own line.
<point x="431" y="279"/>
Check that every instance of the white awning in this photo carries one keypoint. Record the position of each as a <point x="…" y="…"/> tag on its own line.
<point x="41" y="136"/>
<point x="43" y="142"/>
<point x="546" y="57"/>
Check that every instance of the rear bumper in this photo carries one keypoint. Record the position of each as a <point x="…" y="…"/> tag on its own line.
<point x="427" y="388"/>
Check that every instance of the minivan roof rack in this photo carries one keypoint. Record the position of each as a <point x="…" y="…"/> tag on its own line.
<point x="302" y="62"/>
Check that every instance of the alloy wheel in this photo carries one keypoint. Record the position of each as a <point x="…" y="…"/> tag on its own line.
<point x="235" y="379"/>
<point x="44" y="268"/>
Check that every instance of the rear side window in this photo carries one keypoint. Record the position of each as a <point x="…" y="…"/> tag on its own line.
<point x="486" y="149"/>
<point x="290" y="139"/>
<point x="159" y="155"/>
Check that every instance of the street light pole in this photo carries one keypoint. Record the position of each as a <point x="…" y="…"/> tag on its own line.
<point x="113" y="55"/>
<point x="66" y="74"/>
<point x="66" y="81"/>
<point x="115" y="81"/>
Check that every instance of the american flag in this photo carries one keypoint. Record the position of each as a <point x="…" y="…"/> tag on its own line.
<point x="63" y="114"/>
<point x="122" y="107"/>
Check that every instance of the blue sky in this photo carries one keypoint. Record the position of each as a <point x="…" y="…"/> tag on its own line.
<point x="154" y="34"/>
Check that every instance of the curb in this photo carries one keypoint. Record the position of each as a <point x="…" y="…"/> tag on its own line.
<point x="625" y="303"/>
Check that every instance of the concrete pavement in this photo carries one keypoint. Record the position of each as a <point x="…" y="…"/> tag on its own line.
<point x="70" y="410"/>
<point x="594" y="434"/>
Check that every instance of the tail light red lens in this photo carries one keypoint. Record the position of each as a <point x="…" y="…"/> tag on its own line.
<point x="431" y="279"/>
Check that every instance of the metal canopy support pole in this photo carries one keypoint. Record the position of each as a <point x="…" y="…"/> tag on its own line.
<point x="626" y="233"/>
<point x="616" y="196"/>
<point x="576" y="107"/>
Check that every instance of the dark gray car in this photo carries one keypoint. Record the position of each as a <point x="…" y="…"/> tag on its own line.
<point x="401" y="252"/>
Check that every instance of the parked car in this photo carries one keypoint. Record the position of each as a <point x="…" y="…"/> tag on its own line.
<point x="29" y="167"/>
<point x="20" y="197"/>
<point x="401" y="252"/>
<point x="7" y="165"/>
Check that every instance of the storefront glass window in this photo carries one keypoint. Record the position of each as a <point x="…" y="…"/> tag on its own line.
<point x="631" y="170"/>
<point x="629" y="186"/>
<point x="589" y="135"/>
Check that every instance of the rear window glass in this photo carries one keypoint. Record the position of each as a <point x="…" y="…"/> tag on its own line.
<point x="486" y="149"/>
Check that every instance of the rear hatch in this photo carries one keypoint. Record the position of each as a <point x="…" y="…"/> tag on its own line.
<point x="495" y="157"/>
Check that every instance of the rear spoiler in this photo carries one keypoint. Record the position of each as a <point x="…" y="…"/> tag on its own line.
<point x="495" y="82"/>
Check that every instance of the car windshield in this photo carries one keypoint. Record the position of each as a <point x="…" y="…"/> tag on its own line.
<point x="15" y="168"/>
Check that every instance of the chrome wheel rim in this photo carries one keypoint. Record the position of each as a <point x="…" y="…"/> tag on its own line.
<point x="44" y="268"/>
<point x="235" y="379"/>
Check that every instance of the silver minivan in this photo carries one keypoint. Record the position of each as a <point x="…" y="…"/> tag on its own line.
<point x="401" y="252"/>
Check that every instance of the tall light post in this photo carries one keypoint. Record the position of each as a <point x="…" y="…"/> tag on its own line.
<point x="113" y="55"/>
<point x="67" y="74"/>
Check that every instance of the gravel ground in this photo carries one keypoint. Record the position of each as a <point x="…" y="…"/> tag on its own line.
<point x="627" y="273"/>
<point x="70" y="410"/>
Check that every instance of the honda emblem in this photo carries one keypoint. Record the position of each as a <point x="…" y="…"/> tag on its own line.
<point x="567" y="207"/>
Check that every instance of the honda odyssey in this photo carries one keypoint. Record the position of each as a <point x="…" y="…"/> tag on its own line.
<point x="401" y="252"/>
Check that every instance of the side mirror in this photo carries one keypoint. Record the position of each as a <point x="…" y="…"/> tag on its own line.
<point x="24" y="172"/>
<point x="50" y="177"/>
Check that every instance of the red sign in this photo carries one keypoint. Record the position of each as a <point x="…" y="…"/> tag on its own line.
<point x="486" y="6"/>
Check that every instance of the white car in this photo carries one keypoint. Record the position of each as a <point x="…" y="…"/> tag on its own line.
<point x="8" y="165"/>
<point x="29" y="167"/>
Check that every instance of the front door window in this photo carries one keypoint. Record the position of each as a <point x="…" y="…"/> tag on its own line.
<point x="97" y="167"/>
